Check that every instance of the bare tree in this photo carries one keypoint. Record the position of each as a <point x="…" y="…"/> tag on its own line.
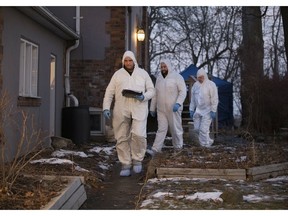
<point x="251" y="53"/>
<point x="274" y="52"/>
<point x="228" y="42"/>
<point x="197" y="35"/>
<point x="284" y="13"/>
<point x="204" y="36"/>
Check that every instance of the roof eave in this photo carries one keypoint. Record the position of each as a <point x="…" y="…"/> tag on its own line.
<point x="47" y="19"/>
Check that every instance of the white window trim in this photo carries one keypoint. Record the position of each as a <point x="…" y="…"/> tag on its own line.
<point x="98" y="111"/>
<point x="28" y="71"/>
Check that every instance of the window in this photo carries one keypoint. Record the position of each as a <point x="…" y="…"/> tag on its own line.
<point x="28" y="77"/>
<point x="97" y="123"/>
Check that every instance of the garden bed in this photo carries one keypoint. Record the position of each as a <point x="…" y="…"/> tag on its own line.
<point x="229" y="158"/>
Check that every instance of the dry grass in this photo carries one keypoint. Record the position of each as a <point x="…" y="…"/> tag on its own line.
<point x="28" y="140"/>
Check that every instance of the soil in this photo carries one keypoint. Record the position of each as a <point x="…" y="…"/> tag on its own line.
<point x="34" y="192"/>
<point x="229" y="151"/>
<point x="106" y="190"/>
<point x="31" y="192"/>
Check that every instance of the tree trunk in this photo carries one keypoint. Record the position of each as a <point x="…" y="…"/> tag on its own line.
<point x="251" y="54"/>
<point x="284" y="13"/>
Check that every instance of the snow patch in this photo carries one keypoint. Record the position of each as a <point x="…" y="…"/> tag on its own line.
<point x="107" y="150"/>
<point x="103" y="166"/>
<point x="279" y="178"/>
<point x="241" y="159"/>
<point x="63" y="153"/>
<point x="147" y="202"/>
<point x="205" y="196"/>
<point x="52" y="161"/>
<point x="254" y="198"/>
<point x="80" y="169"/>
<point x="161" y="194"/>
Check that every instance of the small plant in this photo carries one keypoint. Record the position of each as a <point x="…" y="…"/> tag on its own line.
<point x="28" y="141"/>
<point x="245" y="134"/>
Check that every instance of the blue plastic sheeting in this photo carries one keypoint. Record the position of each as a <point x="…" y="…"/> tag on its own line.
<point x="225" y="93"/>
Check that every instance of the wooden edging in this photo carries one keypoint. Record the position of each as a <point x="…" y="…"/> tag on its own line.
<point x="231" y="174"/>
<point x="254" y="173"/>
<point x="71" y="197"/>
<point x="268" y="171"/>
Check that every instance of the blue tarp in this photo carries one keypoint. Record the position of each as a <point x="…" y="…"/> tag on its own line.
<point x="225" y="93"/>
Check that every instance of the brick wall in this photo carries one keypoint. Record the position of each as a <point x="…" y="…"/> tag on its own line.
<point x="89" y="78"/>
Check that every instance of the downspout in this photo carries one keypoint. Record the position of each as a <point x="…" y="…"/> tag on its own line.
<point x="69" y="95"/>
<point x="128" y="28"/>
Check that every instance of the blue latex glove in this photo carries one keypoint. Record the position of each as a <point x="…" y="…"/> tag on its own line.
<point x="140" y="97"/>
<point x="176" y="107"/>
<point x="107" y="114"/>
<point x="153" y="114"/>
<point x="191" y="114"/>
<point x="213" y="114"/>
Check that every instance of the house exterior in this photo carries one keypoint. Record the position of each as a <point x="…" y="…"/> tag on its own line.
<point x="33" y="44"/>
<point x="105" y="34"/>
<point x="42" y="52"/>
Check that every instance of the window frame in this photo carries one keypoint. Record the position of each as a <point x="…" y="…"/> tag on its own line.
<point x="28" y="69"/>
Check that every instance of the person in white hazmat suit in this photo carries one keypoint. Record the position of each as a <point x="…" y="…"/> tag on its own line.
<point x="170" y="94"/>
<point x="203" y="107"/>
<point x="129" y="113"/>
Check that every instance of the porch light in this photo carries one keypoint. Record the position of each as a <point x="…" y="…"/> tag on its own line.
<point x="140" y="35"/>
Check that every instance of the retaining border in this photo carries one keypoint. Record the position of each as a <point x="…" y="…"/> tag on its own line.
<point x="251" y="174"/>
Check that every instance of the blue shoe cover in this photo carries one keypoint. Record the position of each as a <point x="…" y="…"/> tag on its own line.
<point x="125" y="172"/>
<point x="137" y="168"/>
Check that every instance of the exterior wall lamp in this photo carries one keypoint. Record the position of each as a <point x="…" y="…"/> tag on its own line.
<point x="140" y="34"/>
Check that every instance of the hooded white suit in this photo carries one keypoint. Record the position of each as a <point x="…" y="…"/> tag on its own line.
<point x="204" y="98"/>
<point x="169" y="90"/>
<point x="129" y="114"/>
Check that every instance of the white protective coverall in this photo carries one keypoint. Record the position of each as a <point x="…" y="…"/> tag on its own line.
<point x="204" y="98"/>
<point x="129" y="114"/>
<point x="169" y="90"/>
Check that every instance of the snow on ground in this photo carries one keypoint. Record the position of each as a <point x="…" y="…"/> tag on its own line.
<point x="196" y="193"/>
<point x="205" y="196"/>
<point x="63" y="153"/>
<point x="57" y="157"/>
<point x="52" y="161"/>
<point x="80" y="169"/>
<point x="106" y="150"/>
<point x="179" y="192"/>
<point x="276" y="179"/>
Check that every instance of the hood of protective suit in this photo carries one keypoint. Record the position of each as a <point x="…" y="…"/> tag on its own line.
<point x="201" y="72"/>
<point x="132" y="56"/>
<point x="168" y="64"/>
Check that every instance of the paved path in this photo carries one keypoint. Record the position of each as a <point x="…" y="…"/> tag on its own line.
<point x="117" y="193"/>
